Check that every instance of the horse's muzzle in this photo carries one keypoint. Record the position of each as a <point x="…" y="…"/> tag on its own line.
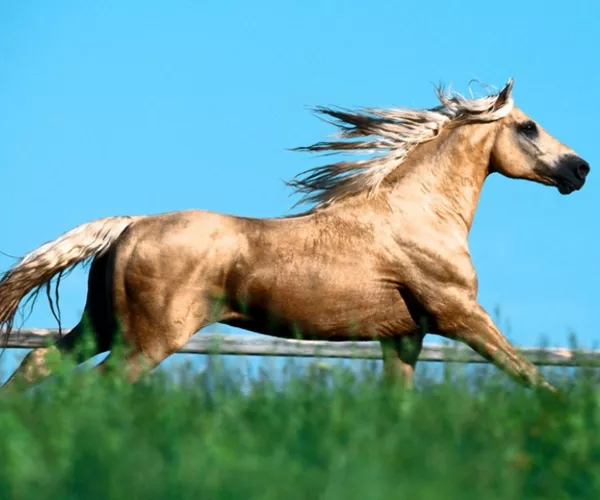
<point x="571" y="174"/>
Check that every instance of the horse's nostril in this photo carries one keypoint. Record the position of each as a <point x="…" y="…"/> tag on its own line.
<point x="582" y="170"/>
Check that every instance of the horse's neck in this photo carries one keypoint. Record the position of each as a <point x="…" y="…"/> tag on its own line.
<point x="446" y="179"/>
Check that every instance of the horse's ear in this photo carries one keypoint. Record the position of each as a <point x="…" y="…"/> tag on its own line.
<point x="504" y="94"/>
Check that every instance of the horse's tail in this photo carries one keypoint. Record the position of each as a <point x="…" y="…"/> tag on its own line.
<point x="39" y="267"/>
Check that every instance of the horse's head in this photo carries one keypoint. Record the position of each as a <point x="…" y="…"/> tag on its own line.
<point x="524" y="150"/>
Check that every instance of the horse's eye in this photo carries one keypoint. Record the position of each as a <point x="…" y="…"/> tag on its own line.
<point x="529" y="129"/>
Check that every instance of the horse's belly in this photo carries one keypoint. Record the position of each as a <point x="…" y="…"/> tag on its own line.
<point x="335" y="312"/>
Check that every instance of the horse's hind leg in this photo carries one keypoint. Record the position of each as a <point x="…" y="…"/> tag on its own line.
<point x="400" y="356"/>
<point x="164" y="291"/>
<point x="156" y="324"/>
<point x="148" y="345"/>
<point x="35" y="367"/>
<point x="96" y="321"/>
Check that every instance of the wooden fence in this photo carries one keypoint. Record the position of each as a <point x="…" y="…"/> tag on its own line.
<point x="253" y="345"/>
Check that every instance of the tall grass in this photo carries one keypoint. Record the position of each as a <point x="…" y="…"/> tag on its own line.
<point x="315" y="434"/>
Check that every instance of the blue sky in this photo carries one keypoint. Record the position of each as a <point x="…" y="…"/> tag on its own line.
<point x="138" y="107"/>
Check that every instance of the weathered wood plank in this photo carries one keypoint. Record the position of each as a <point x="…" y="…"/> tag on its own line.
<point x="251" y="345"/>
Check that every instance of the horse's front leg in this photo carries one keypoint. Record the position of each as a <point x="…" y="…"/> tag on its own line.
<point x="400" y="356"/>
<point x="468" y="322"/>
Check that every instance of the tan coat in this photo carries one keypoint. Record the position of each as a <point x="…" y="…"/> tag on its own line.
<point x="383" y="255"/>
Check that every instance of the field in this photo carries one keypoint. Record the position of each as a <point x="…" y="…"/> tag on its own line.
<point x="311" y="433"/>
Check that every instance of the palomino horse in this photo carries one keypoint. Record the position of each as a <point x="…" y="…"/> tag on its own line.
<point x="382" y="254"/>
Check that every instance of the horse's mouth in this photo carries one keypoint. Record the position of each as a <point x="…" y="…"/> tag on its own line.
<point x="565" y="186"/>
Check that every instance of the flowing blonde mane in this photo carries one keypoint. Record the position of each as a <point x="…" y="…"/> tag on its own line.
<point x="395" y="131"/>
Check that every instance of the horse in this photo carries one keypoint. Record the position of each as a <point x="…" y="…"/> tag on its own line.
<point x="382" y="253"/>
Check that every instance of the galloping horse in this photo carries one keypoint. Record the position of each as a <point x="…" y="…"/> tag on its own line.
<point x="381" y="255"/>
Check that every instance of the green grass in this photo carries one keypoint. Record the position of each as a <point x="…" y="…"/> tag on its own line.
<point x="318" y="434"/>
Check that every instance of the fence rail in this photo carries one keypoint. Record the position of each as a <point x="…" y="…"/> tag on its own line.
<point x="253" y="345"/>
